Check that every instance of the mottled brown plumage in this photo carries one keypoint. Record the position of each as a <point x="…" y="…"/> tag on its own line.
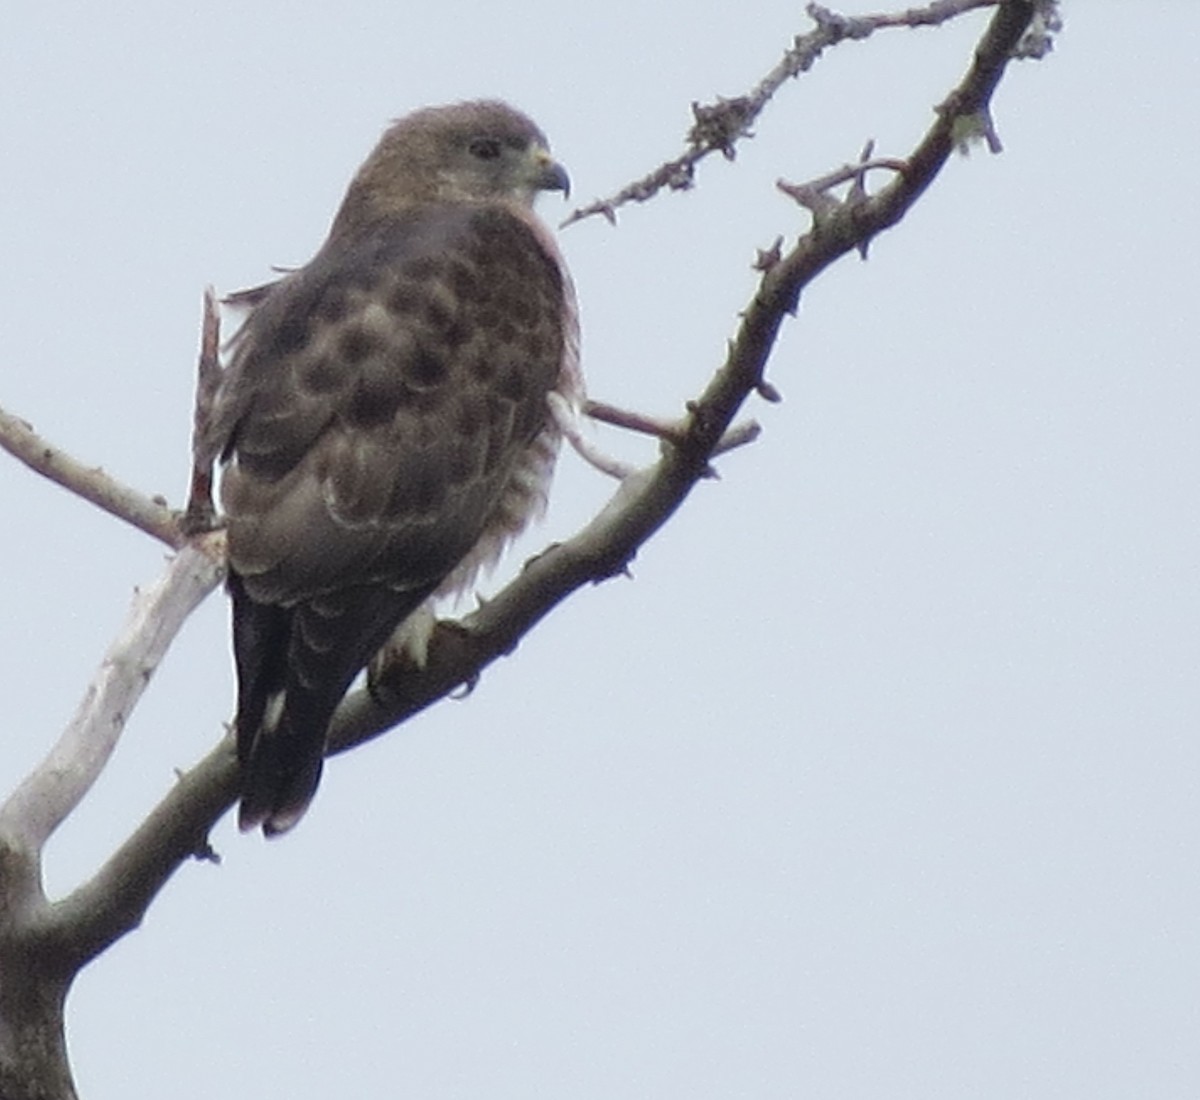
<point x="385" y="423"/>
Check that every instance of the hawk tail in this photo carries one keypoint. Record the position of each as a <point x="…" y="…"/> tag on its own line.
<point x="281" y="776"/>
<point x="280" y="759"/>
<point x="260" y="646"/>
<point x="294" y="666"/>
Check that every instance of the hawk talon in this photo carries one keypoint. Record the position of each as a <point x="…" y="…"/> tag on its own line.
<point x="466" y="688"/>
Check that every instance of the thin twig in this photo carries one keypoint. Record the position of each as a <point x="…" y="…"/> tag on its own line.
<point x="90" y="482"/>
<point x="669" y="431"/>
<point x="718" y="127"/>
<point x="848" y="173"/>
<point x="568" y="423"/>
<point x="200" y="514"/>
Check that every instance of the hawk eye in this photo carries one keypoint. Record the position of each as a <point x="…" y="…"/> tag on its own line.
<point x="484" y="148"/>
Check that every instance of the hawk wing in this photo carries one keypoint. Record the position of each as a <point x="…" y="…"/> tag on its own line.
<point x="380" y="405"/>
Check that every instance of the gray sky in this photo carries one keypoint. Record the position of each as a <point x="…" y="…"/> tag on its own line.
<point x="878" y="780"/>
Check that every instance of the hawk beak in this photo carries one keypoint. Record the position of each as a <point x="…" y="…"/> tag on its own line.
<point x="551" y="176"/>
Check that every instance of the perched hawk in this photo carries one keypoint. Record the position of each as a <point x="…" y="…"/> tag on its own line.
<point x="385" y="423"/>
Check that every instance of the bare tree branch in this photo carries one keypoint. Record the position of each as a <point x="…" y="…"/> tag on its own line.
<point x="43" y="801"/>
<point x="149" y="514"/>
<point x="670" y="431"/>
<point x="718" y="127"/>
<point x="666" y="431"/>
<point x="114" y="901"/>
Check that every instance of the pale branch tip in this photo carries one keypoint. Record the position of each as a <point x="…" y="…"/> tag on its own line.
<point x="1038" y="40"/>
<point x="146" y="513"/>
<point x="667" y="431"/>
<point x="568" y="423"/>
<point x="972" y="127"/>
<point x="670" y="432"/>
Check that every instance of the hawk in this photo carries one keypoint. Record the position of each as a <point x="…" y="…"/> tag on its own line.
<point x="385" y="423"/>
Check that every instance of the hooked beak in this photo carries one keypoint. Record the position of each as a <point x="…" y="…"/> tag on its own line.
<point x="551" y="176"/>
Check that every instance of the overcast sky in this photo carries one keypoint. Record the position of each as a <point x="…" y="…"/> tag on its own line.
<point x="878" y="779"/>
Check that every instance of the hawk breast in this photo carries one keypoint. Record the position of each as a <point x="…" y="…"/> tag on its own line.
<point x="386" y="404"/>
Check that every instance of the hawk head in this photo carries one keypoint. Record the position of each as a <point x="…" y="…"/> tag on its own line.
<point x="481" y="151"/>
